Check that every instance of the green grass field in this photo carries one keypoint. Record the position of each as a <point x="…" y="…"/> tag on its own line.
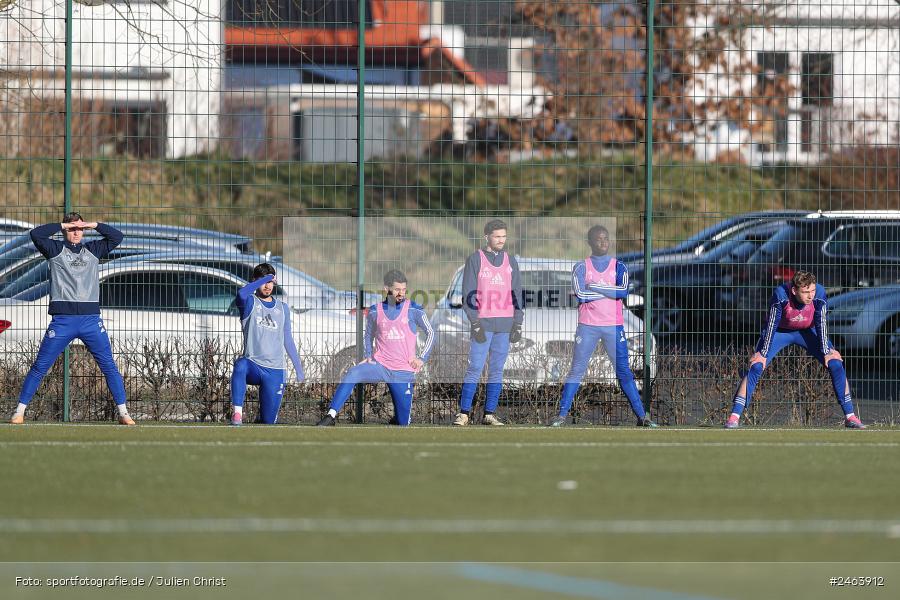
<point x="346" y="509"/>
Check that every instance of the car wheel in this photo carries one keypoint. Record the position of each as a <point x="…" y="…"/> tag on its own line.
<point x="668" y="316"/>
<point x="340" y="364"/>
<point x="889" y="340"/>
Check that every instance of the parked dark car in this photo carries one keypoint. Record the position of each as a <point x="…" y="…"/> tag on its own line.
<point x="710" y="237"/>
<point x="687" y="292"/>
<point x="845" y="254"/>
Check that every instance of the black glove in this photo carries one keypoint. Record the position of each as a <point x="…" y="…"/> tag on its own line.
<point x="478" y="333"/>
<point x="515" y="334"/>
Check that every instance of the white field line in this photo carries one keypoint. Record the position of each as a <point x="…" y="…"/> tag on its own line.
<point x="447" y="444"/>
<point x="890" y="528"/>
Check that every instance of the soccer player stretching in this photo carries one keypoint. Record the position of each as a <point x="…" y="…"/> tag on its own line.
<point x="74" y="305"/>
<point x="266" y="325"/>
<point x="600" y="283"/>
<point x="391" y="328"/>
<point x="492" y="292"/>
<point x="797" y="315"/>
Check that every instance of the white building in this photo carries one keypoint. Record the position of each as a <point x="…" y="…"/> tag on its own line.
<point x="148" y="71"/>
<point x="841" y="64"/>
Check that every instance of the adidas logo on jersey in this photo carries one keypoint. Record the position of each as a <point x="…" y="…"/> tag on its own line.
<point x="497" y="279"/>
<point x="266" y="321"/>
<point x="797" y="318"/>
<point x="394" y="334"/>
<point x="604" y="281"/>
<point x="75" y="260"/>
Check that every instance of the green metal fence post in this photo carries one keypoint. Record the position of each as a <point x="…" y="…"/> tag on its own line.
<point x="67" y="179"/>
<point x="360" y="195"/>
<point x="648" y="209"/>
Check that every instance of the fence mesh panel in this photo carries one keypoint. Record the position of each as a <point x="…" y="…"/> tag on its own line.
<point x="218" y="136"/>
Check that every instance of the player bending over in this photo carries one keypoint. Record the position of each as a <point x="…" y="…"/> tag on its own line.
<point x="797" y="315"/>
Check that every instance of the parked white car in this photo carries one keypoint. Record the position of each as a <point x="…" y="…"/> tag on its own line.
<point x="544" y="354"/>
<point x="300" y="290"/>
<point x="153" y="302"/>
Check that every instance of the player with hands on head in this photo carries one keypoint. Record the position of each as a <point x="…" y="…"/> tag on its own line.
<point x="266" y="327"/>
<point x="74" y="305"/>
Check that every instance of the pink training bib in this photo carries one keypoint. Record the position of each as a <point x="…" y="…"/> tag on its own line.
<point x="395" y="342"/>
<point x="494" y="291"/>
<point x="604" y="311"/>
<point x="796" y="318"/>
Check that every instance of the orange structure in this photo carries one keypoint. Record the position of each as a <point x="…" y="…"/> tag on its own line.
<point x="392" y="37"/>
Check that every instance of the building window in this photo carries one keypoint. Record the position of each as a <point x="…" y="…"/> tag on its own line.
<point x="817" y="97"/>
<point x="139" y="130"/>
<point x="773" y="88"/>
<point x="817" y="79"/>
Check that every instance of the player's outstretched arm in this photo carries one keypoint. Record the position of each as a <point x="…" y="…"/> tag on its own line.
<point x="369" y="337"/>
<point x="290" y="347"/>
<point x="421" y="320"/>
<point x="776" y="306"/>
<point x="820" y="320"/>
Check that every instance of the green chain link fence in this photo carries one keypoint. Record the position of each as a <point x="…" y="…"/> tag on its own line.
<point x="737" y="143"/>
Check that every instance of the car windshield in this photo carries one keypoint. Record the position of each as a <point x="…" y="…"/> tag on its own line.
<point x="243" y="269"/>
<point x="36" y="274"/>
<point x="773" y="249"/>
<point x="705" y="237"/>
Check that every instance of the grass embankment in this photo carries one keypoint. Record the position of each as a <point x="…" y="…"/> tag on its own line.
<point x="250" y="197"/>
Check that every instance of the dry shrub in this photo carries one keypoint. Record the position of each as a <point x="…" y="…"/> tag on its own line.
<point x="170" y="381"/>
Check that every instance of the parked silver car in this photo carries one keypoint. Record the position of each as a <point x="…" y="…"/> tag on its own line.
<point x="26" y="267"/>
<point x="145" y="302"/>
<point x="18" y="256"/>
<point x="10" y="228"/>
<point x="866" y="320"/>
